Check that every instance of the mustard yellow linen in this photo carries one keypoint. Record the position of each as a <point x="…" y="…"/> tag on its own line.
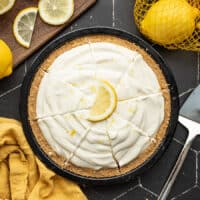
<point x="23" y="176"/>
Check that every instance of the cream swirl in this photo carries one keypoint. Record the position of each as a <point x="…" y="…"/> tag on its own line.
<point x="65" y="98"/>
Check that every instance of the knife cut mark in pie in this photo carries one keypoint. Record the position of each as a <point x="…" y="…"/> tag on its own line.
<point x="99" y="128"/>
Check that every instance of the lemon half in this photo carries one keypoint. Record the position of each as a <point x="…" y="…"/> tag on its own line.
<point x="6" y="5"/>
<point x="105" y="102"/>
<point x="56" y="12"/>
<point x="23" y="26"/>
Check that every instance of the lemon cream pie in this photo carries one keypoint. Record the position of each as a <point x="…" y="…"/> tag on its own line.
<point x="99" y="106"/>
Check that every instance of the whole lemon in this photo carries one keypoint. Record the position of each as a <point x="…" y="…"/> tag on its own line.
<point x="6" y="60"/>
<point x="169" y="21"/>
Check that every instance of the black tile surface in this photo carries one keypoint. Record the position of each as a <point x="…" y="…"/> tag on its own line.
<point x="154" y="178"/>
<point x="186" y="69"/>
<point x="187" y="175"/>
<point x="192" y="193"/>
<point x="117" y="190"/>
<point x="138" y="193"/>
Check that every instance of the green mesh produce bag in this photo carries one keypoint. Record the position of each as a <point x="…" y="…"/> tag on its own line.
<point x="167" y="18"/>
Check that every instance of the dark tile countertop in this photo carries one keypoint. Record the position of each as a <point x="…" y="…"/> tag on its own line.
<point x="186" y="69"/>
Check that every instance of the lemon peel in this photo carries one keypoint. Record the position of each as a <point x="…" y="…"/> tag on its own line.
<point x="169" y="21"/>
<point x="6" y="60"/>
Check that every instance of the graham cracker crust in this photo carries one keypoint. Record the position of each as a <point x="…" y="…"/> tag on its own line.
<point x="110" y="172"/>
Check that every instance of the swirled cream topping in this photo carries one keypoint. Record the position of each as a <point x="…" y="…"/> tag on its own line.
<point x="66" y="96"/>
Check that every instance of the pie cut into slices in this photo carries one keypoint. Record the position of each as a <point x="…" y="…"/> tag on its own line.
<point x="99" y="106"/>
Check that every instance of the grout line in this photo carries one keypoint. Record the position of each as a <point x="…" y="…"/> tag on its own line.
<point x="124" y="193"/>
<point x="178" y="141"/>
<point x="113" y="13"/>
<point x="11" y="90"/>
<point x="186" y="191"/>
<point x="198" y="68"/>
<point x="193" y="150"/>
<point x="186" y="92"/>
<point x="181" y="143"/>
<point x="197" y="168"/>
<point x="139" y="181"/>
<point x="149" y="191"/>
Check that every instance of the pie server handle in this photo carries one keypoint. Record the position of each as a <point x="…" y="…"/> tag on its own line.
<point x="194" y="129"/>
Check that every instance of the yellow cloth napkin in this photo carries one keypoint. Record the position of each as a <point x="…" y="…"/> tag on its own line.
<point x="23" y="176"/>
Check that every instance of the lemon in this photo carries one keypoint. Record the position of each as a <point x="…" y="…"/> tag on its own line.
<point x="6" y="60"/>
<point x="56" y="12"/>
<point x="105" y="102"/>
<point x="23" y="26"/>
<point x="6" y="5"/>
<point x="169" y="21"/>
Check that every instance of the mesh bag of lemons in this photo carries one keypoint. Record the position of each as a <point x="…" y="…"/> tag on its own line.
<point x="174" y="24"/>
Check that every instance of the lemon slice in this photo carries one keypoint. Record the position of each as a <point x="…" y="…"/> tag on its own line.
<point x="6" y="5"/>
<point x="105" y="103"/>
<point x="24" y="25"/>
<point x="56" y="12"/>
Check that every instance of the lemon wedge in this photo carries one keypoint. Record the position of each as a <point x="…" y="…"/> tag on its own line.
<point x="56" y="12"/>
<point x="105" y="102"/>
<point x="6" y="60"/>
<point x="24" y="25"/>
<point x="6" y="5"/>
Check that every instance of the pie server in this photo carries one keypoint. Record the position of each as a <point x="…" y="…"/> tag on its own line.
<point x="189" y="116"/>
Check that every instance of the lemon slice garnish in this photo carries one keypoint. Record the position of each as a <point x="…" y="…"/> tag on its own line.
<point x="56" y="12"/>
<point x="6" y="5"/>
<point x="24" y="25"/>
<point x="105" y="102"/>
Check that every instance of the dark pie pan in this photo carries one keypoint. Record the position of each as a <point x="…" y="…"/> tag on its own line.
<point x="50" y="47"/>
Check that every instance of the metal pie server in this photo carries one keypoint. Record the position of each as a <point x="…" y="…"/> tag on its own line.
<point x="189" y="117"/>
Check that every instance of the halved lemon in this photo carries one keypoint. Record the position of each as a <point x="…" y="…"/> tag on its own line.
<point x="23" y="26"/>
<point x="56" y="12"/>
<point x="105" y="102"/>
<point x="6" y="5"/>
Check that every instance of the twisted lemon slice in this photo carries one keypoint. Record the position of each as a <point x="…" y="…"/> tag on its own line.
<point x="105" y="103"/>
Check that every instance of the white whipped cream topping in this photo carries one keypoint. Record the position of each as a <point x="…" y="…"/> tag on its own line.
<point x="65" y="97"/>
